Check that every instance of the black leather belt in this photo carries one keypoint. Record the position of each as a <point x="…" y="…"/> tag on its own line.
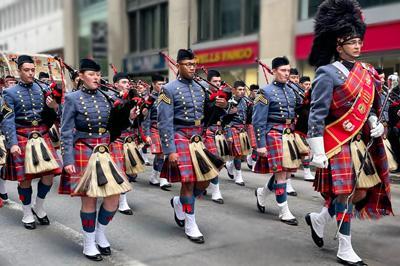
<point x="181" y="122"/>
<point x="24" y="122"/>
<point x="286" y="121"/>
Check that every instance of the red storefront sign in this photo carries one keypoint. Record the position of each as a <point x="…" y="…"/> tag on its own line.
<point x="233" y="55"/>
<point x="378" y="38"/>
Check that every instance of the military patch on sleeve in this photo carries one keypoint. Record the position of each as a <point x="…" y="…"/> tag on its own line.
<point x="164" y="98"/>
<point x="6" y="111"/>
<point x="261" y="98"/>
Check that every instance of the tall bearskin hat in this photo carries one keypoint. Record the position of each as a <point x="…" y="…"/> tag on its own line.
<point x="336" y="22"/>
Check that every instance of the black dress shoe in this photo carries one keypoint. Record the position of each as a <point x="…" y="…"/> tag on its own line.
<point x="293" y="193"/>
<point x="96" y="257"/>
<point x="132" y="178"/>
<point x="30" y="226"/>
<point x="293" y="222"/>
<point x="154" y="184"/>
<point x="166" y="187"/>
<point x="197" y="240"/>
<point x="104" y="251"/>
<point x="127" y="212"/>
<point x="147" y="164"/>
<point x="219" y="201"/>
<point x="345" y="262"/>
<point x="4" y="196"/>
<point x="230" y="176"/>
<point x="260" y="208"/>
<point x="180" y="223"/>
<point x="240" y="184"/>
<point x="317" y="240"/>
<point x="250" y="167"/>
<point x="42" y="221"/>
<point x="205" y="192"/>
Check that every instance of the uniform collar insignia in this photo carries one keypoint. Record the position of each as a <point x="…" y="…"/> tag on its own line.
<point x="86" y="90"/>
<point x="25" y="85"/>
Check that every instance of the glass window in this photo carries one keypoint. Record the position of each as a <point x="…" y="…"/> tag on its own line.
<point x="252" y="16"/>
<point x="228" y="17"/>
<point x="203" y="13"/>
<point x="133" y="31"/>
<point x="147" y="29"/>
<point x="164" y="25"/>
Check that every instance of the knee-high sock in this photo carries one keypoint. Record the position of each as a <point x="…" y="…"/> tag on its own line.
<point x="43" y="189"/>
<point x="280" y="192"/>
<point x="237" y="163"/>
<point x="306" y="162"/>
<point x="105" y="216"/>
<point x="331" y="205"/>
<point x="25" y="195"/>
<point x="88" y="221"/>
<point x="158" y="163"/>
<point x="215" y="181"/>
<point x="187" y="204"/>
<point x="340" y="208"/>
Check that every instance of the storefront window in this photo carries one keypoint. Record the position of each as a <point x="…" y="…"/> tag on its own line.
<point x="228" y="17"/>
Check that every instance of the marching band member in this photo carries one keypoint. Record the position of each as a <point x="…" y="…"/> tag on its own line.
<point x="28" y="114"/>
<point x="345" y="106"/>
<point x="90" y="169"/>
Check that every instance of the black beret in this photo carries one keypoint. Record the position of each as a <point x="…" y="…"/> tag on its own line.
<point x="43" y="75"/>
<point x="120" y="75"/>
<point x="294" y="71"/>
<point x="379" y="70"/>
<point x="279" y="61"/>
<point x="184" y="54"/>
<point x="24" y="59"/>
<point x="155" y="78"/>
<point x="212" y="73"/>
<point x="304" y="79"/>
<point x="9" y="77"/>
<point x="88" y="64"/>
<point x="254" y="87"/>
<point x="239" y="83"/>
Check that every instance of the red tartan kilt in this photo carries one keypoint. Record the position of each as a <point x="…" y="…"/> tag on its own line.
<point x="209" y="141"/>
<point x="155" y="140"/>
<point x="117" y="151"/>
<point x="235" y="147"/>
<point x="15" y="165"/>
<point x="82" y="155"/>
<point x="252" y="136"/>
<point x="186" y="172"/>
<point x="272" y="163"/>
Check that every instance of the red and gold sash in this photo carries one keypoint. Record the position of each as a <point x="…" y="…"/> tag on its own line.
<point x="348" y="125"/>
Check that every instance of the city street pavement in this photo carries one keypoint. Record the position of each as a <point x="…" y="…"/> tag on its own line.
<point x="235" y="233"/>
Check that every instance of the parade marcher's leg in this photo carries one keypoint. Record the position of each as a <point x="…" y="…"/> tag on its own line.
<point x="215" y="192"/>
<point x="290" y="189"/>
<point x="123" y="206"/>
<point x="143" y="152"/>
<point x="261" y="192"/>
<point x="281" y="198"/>
<point x="3" y="190"/>
<point x="88" y="219"/>
<point x="106" y="214"/>
<point x="155" y="174"/>
<point x="157" y="165"/>
<point x="346" y="254"/>
<point x="317" y="221"/>
<point x="237" y="171"/>
<point x="25" y="195"/>
<point x="229" y="168"/>
<point x="44" y="186"/>
<point x="308" y="176"/>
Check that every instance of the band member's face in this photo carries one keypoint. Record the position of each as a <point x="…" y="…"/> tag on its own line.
<point x="157" y="85"/>
<point x="350" y="49"/>
<point x="294" y="78"/>
<point x="306" y="85"/>
<point x="123" y="85"/>
<point x="281" y="73"/>
<point x="141" y="89"/>
<point x="76" y="81"/>
<point x="27" y="72"/>
<point x="45" y="80"/>
<point x="90" y="79"/>
<point x="10" y="83"/>
<point x="187" y="68"/>
<point x="239" y="91"/>
<point x="216" y="81"/>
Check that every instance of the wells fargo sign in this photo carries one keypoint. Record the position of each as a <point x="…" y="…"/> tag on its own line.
<point x="241" y="54"/>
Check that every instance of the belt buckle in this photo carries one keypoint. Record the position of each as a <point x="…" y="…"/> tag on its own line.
<point x="197" y="122"/>
<point x="102" y="130"/>
<point x="35" y="123"/>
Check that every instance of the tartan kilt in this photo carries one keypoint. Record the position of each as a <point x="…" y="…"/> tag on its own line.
<point x="82" y="155"/>
<point x="185" y="165"/>
<point x="117" y="150"/>
<point x="15" y="165"/>
<point x="235" y="147"/>
<point x="252" y="136"/>
<point x="339" y="178"/>
<point x="272" y="163"/>
<point x="155" y="139"/>
<point x="209" y="139"/>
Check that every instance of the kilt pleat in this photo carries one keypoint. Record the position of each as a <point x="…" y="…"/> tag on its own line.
<point x="155" y="139"/>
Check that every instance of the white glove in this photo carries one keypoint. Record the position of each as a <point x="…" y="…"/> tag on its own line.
<point x="377" y="129"/>
<point x="319" y="158"/>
